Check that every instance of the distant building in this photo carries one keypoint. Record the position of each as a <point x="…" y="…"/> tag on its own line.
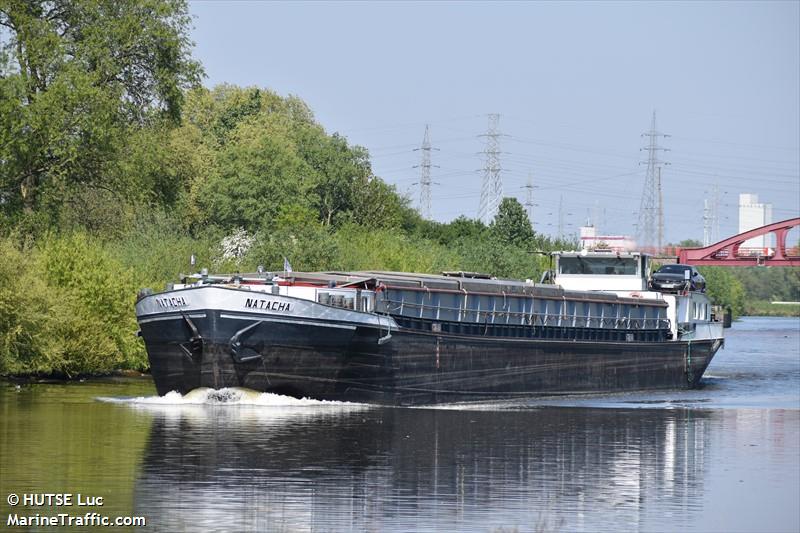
<point x="753" y="214"/>
<point x="590" y="240"/>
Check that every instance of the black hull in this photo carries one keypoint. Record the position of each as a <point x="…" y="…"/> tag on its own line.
<point x="330" y="361"/>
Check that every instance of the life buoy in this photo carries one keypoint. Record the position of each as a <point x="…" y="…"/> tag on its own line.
<point x="636" y="295"/>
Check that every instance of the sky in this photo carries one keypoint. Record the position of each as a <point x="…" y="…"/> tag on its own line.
<point x="575" y="84"/>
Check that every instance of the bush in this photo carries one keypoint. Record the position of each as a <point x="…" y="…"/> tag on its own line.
<point x="724" y="289"/>
<point x="307" y="247"/>
<point x="502" y="260"/>
<point x="362" y="248"/>
<point x="157" y="249"/>
<point x="25" y="307"/>
<point x="66" y="308"/>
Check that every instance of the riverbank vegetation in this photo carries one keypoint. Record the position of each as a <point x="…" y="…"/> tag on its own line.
<point x="117" y="165"/>
<point x="766" y="308"/>
<point x="750" y="290"/>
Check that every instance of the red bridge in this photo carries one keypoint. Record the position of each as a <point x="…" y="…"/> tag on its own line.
<point x="728" y="253"/>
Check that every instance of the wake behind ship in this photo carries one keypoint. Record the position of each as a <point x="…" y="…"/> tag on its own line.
<point x="403" y="339"/>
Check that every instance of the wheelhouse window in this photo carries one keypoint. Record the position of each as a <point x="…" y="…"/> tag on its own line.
<point x="619" y="266"/>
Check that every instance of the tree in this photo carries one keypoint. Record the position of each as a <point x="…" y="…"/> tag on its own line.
<point x="258" y="172"/>
<point x="724" y="289"/>
<point x="511" y="224"/>
<point x="377" y="204"/>
<point x="462" y="228"/>
<point x="340" y="172"/>
<point x="75" y="77"/>
<point x="265" y="153"/>
<point x="766" y="284"/>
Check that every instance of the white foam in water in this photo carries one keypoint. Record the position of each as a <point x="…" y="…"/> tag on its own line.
<point x="228" y="396"/>
<point x="235" y="407"/>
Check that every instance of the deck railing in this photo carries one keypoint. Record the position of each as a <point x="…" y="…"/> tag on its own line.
<point x="528" y="318"/>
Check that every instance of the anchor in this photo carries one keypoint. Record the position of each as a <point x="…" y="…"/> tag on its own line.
<point x="238" y="351"/>
<point x="195" y="349"/>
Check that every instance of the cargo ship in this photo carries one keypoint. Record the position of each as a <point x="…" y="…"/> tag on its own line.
<point x="589" y="326"/>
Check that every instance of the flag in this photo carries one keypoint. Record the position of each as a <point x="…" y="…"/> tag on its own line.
<point x="287" y="267"/>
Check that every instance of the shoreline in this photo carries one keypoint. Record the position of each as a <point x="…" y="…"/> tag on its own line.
<point x="49" y="379"/>
<point x="761" y="308"/>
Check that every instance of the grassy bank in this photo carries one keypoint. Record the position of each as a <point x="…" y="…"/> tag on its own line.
<point x="765" y="308"/>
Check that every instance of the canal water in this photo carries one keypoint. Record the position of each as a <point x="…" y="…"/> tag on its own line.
<point x="722" y="458"/>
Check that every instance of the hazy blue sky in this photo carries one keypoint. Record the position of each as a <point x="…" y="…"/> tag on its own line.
<point x="575" y="84"/>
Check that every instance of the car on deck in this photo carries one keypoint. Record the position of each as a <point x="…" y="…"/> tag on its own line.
<point x="674" y="278"/>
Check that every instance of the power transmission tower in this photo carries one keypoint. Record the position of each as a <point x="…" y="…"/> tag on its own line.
<point x="561" y="218"/>
<point x="529" y="205"/>
<point x="492" y="186"/>
<point x="660" y="213"/>
<point x="707" y="222"/>
<point x="650" y="230"/>
<point x="715" y="213"/>
<point x="711" y="217"/>
<point x="425" y="175"/>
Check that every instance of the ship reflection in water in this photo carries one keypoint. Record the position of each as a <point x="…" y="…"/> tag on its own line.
<point x="367" y="468"/>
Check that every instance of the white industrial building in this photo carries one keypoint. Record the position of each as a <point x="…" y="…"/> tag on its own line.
<point x="753" y="214"/>
<point x="590" y="240"/>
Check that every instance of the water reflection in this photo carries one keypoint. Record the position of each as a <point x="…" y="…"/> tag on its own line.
<point x="724" y="458"/>
<point x="413" y="469"/>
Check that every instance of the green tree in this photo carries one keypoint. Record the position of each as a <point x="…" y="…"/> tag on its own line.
<point x="258" y="172"/>
<point x="75" y="76"/>
<point x="265" y="152"/>
<point x="511" y="224"/>
<point x="377" y="204"/>
<point x="338" y="170"/>
<point x="724" y="289"/>
<point x="769" y="284"/>
<point x="458" y="230"/>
